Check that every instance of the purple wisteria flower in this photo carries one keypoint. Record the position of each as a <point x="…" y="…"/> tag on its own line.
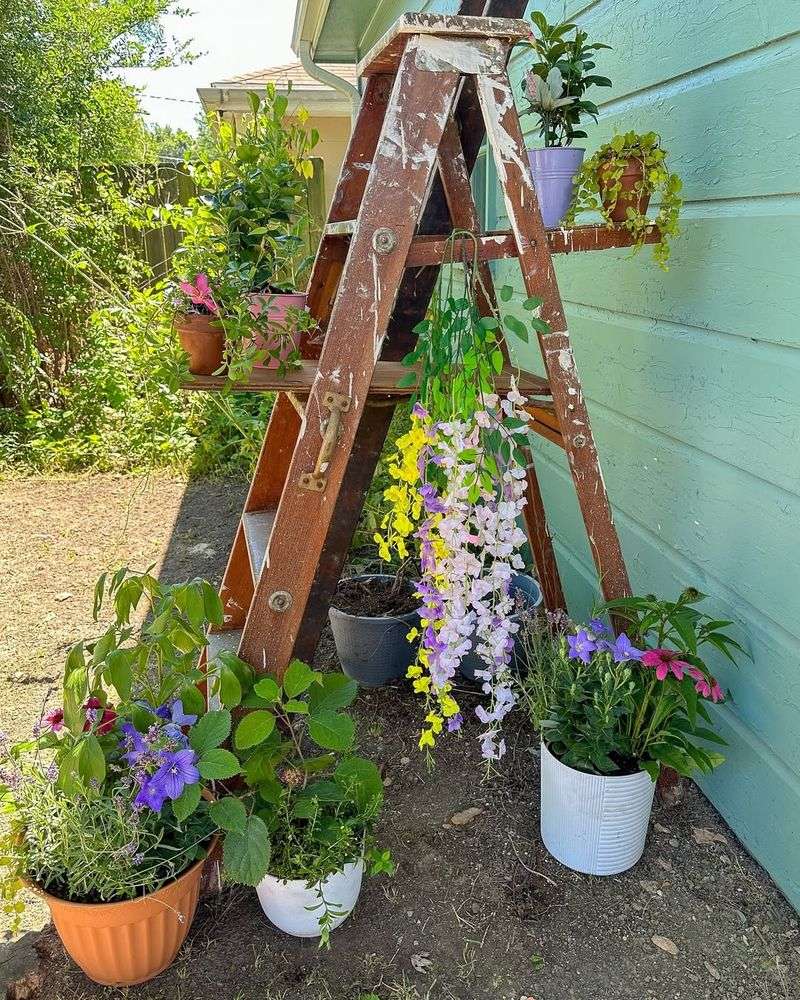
<point x="455" y="722"/>
<point x="419" y="411"/>
<point x="433" y="505"/>
<point x="581" y="646"/>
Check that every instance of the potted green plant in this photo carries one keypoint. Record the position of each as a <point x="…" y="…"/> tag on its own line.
<point x="620" y="179"/>
<point x="318" y="800"/>
<point x="611" y="712"/>
<point x="555" y="86"/>
<point x="118" y="797"/>
<point x="199" y="329"/>
<point x="247" y="233"/>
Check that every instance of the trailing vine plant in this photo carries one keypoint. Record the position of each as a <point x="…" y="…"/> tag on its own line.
<point x="457" y="494"/>
<point x="598" y="187"/>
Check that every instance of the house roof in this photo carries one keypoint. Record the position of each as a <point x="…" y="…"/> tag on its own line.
<point x="281" y="76"/>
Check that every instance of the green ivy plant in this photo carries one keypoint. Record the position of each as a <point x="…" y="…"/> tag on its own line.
<point x="556" y="82"/>
<point x="598" y="187"/>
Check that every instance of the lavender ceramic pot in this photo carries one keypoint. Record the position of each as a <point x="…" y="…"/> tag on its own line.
<point x="554" y="171"/>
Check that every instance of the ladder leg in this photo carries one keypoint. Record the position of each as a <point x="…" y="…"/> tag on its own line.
<point x="458" y="193"/>
<point x="421" y="102"/>
<point x="505" y="138"/>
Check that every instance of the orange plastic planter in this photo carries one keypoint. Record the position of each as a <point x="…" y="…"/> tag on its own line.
<point x="125" y="943"/>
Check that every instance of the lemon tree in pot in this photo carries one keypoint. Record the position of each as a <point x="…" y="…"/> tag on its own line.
<point x="247" y="235"/>
<point x="611" y="712"/>
<point x="555" y="89"/>
<point x="118" y="796"/>
<point x="620" y="179"/>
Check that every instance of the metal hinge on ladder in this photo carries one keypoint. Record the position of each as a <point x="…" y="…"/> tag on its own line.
<point x="318" y="479"/>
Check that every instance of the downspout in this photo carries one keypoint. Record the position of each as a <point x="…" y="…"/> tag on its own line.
<point x="330" y="79"/>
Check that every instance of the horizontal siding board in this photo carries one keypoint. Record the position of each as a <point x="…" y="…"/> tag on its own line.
<point x="730" y="398"/>
<point x="738" y="274"/>
<point x="699" y="34"/>
<point x="656" y="565"/>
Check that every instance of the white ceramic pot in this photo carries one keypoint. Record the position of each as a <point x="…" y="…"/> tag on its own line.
<point x="286" y="903"/>
<point x="594" y="823"/>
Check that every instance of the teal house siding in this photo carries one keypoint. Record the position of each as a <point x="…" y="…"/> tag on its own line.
<point x="692" y="377"/>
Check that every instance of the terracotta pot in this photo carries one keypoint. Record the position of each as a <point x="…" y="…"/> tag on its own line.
<point x="125" y="943"/>
<point x="631" y="175"/>
<point x="276" y="307"/>
<point x="203" y="340"/>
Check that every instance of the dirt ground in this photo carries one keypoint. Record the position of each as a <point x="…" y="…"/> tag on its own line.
<point x="475" y="912"/>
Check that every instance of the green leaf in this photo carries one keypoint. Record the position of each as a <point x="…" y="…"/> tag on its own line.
<point x="120" y="671"/>
<point x="229" y="814"/>
<point x="313" y="765"/>
<point x="331" y="730"/>
<point x="506" y="293"/>
<point x="267" y="689"/>
<point x="246" y="853"/>
<point x="334" y="691"/>
<point x="187" y="802"/>
<point x="230" y="690"/>
<point x="254" y="729"/>
<point x="210" y="731"/>
<point x="532" y="304"/>
<point x="298" y="678"/>
<point x="218" y="764"/>
<point x="408" y="380"/>
<point x="91" y="760"/>
<point x="297" y="707"/>
<point x="517" y="327"/>
<point x="362" y="781"/>
<point x="192" y="700"/>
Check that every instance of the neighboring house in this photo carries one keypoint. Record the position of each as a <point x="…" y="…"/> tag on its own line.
<point x="692" y="377"/>
<point x="330" y="110"/>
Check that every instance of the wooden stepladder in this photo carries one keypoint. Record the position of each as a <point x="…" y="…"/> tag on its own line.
<point x="433" y="85"/>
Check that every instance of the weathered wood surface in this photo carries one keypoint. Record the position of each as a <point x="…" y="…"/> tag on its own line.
<point x="385" y="377"/>
<point x="505" y="137"/>
<point x="394" y="197"/>
<point x="385" y="55"/>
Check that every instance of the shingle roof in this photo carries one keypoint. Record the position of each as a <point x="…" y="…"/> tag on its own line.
<point x="281" y="75"/>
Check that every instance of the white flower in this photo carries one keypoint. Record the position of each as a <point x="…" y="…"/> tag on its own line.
<point x="546" y="94"/>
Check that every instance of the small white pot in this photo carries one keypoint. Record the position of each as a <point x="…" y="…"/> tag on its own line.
<point x="286" y="903"/>
<point x="594" y="823"/>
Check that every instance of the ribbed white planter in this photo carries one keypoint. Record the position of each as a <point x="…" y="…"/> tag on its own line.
<point x="286" y="903"/>
<point x="593" y="823"/>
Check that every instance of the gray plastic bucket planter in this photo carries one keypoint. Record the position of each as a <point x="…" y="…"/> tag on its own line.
<point x="554" y="171"/>
<point x="373" y="651"/>
<point x="532" y="595"/>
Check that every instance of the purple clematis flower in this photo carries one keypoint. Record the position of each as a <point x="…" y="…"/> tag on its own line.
<point x="174" y="713"/>
<point x="599" y="627"/>
<point x="177" y="771"/>
<point x="151" y="794"/>
<point x="622" y="650"/>
<point x="581" y="646"/>
<point x="133" y="743"/>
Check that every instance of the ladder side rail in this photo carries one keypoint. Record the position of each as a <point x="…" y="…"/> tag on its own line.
<point x="505" y="137"/>
<point x="422" y="100"/>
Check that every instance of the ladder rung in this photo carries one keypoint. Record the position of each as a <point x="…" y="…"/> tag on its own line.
<point x="341" y="228"/>
<point x="384" y="381"/>
<point x="218" y="642"/>
<point x="430" y="250"/>
<point x="257" y="526"/>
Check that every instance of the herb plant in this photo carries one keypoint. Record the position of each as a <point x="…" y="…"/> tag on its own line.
<point x="123" y="786"/>
<point x="557" y="81"/>
<point x="610" y="706"/>
<point x="598" y="187"/>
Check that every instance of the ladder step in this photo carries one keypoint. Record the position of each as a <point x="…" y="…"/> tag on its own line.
<point x="257" y="529"/>
<point x="219" y="642"/>
<point x="428" y="251"/>
<point x="384" y="381"/>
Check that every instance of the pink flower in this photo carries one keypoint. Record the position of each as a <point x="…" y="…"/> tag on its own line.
<point x="97" y="712"/>
<point x="665" y="661"/>
<point x="705" y="687"/>
<point x="199" y="292"/>
<point x="54" y="720"/>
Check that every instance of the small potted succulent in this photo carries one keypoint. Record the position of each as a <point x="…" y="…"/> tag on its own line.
<point x="246" y="236"/>
<point x="611" y="712"/>
<point x="118" y="797"/>
<point x="555" y="86"/>
<point x="318" y="800"/>
<point x="619" y="181"/>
